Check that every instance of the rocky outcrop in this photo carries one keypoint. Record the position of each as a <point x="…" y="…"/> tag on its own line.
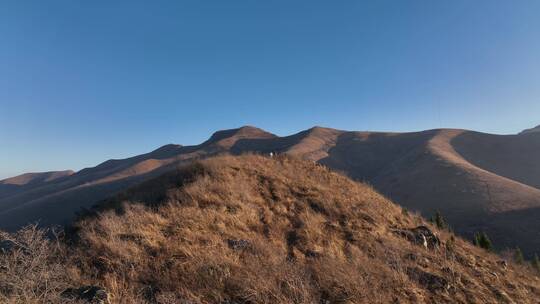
<point x="7" y="246"/>
<point x="430" y="281"/>
<point x="420" y="235"/>
<point x="238" y="244"/>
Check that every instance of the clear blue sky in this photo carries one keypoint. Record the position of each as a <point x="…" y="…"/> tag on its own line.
<point x="85" y="81"/>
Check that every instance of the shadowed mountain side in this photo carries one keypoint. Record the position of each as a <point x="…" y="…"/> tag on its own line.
<point x="7" y="190"/>
<point x="520" y="228"/>
<point x="423" y="172"/>
<point x="516" y="157"/>
<point x="106" y="172"/>
<point x="311" y="144"/>
<point x="363" y="155"/>
<point x="115" y="165"/>
<point x="60" y="207"/>
<point x="24" y="182"/>
<point x="403" y="168"/>
<point x="32" y="178"/>
<point x="502" y="194"/>
<point x="467" y="198"/>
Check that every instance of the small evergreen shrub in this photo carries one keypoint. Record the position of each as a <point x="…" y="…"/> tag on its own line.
<point x="482" y="240"/>
<point x="518" y="256"/>
<point x="536" y="263"/>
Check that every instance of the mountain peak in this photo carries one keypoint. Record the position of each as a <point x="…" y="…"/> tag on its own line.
<point x="166" y="150"/>
<point x="230" y="136"/>
<point x="322" y="130"/>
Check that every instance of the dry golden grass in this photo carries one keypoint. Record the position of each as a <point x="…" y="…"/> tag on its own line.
<point x="252" y="229"/>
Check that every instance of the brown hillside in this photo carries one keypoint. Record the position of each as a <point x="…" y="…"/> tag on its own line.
<point x="253" y="229"/>
<point x="29" y="178"/>
<point x="25" y="182"/>
<point x="516" y="157"/>
<point x="480" y="182"/>
<point x="445" y="173"/>
<point x="57" y="201"/>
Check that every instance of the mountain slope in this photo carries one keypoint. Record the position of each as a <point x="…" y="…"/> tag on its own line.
<point x="512" y="156"/>
<point x="531" y="130"/>
<point x="480" y="182"/>
<point x="57" y="201"/>
<point x="24" y="182"/>
<point x="254" y="229"/>
<point x="33" y="178"/>
<point x="439" y="176"/>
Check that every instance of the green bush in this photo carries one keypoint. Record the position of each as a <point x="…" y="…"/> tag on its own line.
<point x="536" y="263"/>
<point x="438" y="220"/>
<point x="482" y="240"/>
<point x="518" y="256"/>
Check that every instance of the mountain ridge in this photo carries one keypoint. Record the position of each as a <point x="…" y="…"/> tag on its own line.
<point x="33" y="177"/>
<point x="468" y="176"/>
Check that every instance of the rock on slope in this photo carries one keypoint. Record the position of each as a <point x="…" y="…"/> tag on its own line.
<point x="252" y="229"/>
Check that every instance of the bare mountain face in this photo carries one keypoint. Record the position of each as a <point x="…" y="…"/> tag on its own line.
<point x="33" y="178"/>
<point x="25" y="181"/>
<point x="479" y="182"/>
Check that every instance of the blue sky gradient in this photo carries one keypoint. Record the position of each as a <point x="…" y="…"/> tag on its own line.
<point x="85" y="81"/>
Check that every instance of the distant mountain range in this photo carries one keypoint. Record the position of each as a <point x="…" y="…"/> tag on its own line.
<point x="478" y="181"/>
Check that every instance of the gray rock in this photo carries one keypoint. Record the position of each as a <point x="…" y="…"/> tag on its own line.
<point x="7" y="246"/>
<point x="238" y="244"/>
<point x="89" y="294"/>
<point x="420" y="235"/>
<point x="430" y="281"/>
<point x="502" y="263"/>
